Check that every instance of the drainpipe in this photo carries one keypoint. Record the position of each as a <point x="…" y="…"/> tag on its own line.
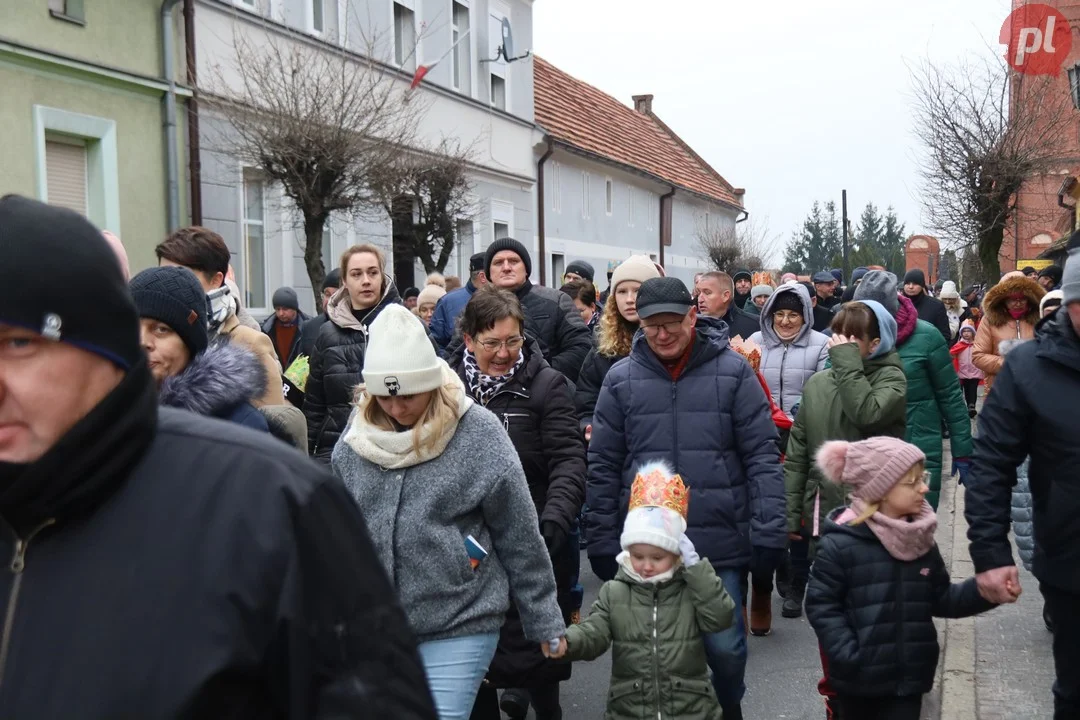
<point x="194" y="164"/>
<point x="665" y="222"/>
<point x="172" y="163"/>
<point x="541" y="243"/>
<point x="745" y="215"/>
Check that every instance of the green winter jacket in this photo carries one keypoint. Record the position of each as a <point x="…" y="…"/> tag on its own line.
<point x="933" y="392"/>
<point x="852" y="400"/>
<point x="661" y="673"/>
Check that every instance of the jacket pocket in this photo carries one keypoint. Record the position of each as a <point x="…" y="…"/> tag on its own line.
<point x="626" y="699"/>
<point x="690" y="697"/>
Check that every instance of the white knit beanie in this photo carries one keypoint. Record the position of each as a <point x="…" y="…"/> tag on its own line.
<point x="400" y="359"/>
<point x="635" y="267"/>
<point x="656" y="526"/>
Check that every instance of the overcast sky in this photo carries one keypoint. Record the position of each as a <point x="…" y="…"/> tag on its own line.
<point x="792" y="100"/>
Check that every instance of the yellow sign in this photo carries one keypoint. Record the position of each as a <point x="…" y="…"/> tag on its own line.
<point x="1037" y="264"/>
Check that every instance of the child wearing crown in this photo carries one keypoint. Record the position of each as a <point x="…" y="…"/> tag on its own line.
<point x="655" y="610"/>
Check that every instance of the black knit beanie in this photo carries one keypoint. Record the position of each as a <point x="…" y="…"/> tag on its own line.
<point x="507" y="244"/>
<point x="174" y="296"/>
<point x="915" y="276"/>
<point x="582" y="268"/>
<point x="60" y="278"/>
<point x="786" y="300"/>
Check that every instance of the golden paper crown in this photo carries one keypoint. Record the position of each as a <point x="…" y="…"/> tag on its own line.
<point x="657" y="487"/>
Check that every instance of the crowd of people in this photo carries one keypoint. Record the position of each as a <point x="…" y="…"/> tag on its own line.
<point x="378" y="511"/>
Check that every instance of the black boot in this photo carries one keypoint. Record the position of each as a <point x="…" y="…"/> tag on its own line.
<point x="515" y="703"/>
<point x="545" y="702"/>
<point x="794" y="601"/>
<point x="733" y="713"/>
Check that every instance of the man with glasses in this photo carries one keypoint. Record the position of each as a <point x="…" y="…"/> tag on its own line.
<point x="684" y="396"/>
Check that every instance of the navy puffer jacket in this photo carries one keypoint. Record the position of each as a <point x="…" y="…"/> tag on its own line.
<point x="713" y="425"/>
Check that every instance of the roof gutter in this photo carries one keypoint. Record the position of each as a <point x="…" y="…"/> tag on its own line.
<point x="172" y="161"/>
<point x="540" y="225"/>
<point x="745" y="215"/>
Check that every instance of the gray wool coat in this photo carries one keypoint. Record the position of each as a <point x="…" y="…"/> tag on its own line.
<point x="787" y="366"/>
<point x="418" y="518"/>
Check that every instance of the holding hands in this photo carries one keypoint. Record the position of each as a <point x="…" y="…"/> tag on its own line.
<point x="554" y="648"/>
<point x="1000" y="585"/>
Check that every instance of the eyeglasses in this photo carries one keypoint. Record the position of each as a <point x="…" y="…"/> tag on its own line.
<point x="669" y="327"/>
<point x="511" y="344"/>
<point x="925" y="478"/>
<point x="784" y="316"/>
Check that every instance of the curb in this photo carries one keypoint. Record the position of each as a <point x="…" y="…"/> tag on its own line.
<point x="958" y="701"/>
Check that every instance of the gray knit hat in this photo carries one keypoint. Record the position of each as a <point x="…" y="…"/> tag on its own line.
<point x="1070" y="279"/>
<point x="879" y="285"/>
<point x="758" y="290"/>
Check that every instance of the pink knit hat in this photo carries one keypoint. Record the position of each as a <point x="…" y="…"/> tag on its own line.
<point x="872" y="467"/>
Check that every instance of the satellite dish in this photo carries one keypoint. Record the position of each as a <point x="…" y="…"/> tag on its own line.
<point x="507" y="40"/>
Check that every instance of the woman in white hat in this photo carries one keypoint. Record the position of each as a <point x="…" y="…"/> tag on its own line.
<point x="448" y="509"/>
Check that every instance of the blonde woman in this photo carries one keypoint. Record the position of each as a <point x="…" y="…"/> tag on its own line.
<point x="617" y="326"/>
<point x="448" y="509"/>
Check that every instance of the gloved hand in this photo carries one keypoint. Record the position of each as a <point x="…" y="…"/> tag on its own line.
<point x="764" y="561"/>
<point x="686" y="549"/>
<point x="961" y="466"/>
<point x="604" y="566"/>
<point x="554" y="537"/>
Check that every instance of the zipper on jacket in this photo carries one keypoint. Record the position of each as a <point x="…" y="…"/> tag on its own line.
<point x="504" y="391"/>
<point x="506" y="419"/>
<point x="675" y="422"/>
<point x="18" y="564"/>
<point x="656" y="650"/>
<point x="783" y="361"/>
<point x="900" y="616"/>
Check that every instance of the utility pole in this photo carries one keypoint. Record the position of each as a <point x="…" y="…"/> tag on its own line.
<point x="844" y="225"/>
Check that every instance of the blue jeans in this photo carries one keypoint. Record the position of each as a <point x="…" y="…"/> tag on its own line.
<point x="726" y="651"/>
<point x="455" y="667"/>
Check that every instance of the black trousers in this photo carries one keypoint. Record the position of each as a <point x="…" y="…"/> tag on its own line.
<point x="885" y="708"/>
<point x="544" y="701"/>
<point x="971" y="391"/>
<point x="1062" y="608"/>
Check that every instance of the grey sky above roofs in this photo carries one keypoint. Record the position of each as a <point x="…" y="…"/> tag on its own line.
<point x="792" y="100"/>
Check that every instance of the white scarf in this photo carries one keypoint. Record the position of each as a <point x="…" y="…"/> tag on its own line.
<point x="623" y="559"/>
<point x="393" y="450"/>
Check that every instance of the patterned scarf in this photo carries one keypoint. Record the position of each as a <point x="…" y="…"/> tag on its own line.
<point x="484" y="387"/>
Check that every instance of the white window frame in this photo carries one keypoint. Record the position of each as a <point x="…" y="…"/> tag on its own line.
<point x="498" y="10"/>
<point x="411" y="6"/>
<point x="557" y="259"/>
<point x="501" y="212"/>
<point x="630" y="211"/>
<point x="309" y="17"/>
<point x="252" y="5"/>
<point x="586" y="196"/>
<point x="609" y="195"/>
<point x="471" y="43"/>
<point x="102" y="166"/>
<point x="243" y="254"/>
<point x="650" y="216"/>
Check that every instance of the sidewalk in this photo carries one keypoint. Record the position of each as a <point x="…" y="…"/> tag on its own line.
<point x="998" y="665"/>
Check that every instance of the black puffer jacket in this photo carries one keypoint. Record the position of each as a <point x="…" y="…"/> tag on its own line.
<point x="590" y="380"/>
<point x="873" y="614"/>
<point x="1031" y="412"/>
<point x="933" y="311"/>
<point x="552" y="321"/>
<point x="537" y="409"/>
<point x="336" y="367"/>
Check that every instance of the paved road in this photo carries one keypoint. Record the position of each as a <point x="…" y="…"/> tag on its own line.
<point x="781" y="677"/>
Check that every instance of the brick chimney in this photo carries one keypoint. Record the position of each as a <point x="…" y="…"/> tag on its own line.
<point x="643" y="104"/>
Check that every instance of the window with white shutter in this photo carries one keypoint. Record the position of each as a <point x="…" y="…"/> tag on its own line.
<point x="65" y="172"/>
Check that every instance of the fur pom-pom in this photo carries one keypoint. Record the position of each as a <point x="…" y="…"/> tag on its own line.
<point x="831" y="458"/>
<point x="662" y="465"/>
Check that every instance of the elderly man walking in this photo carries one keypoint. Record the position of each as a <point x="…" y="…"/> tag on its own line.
<point x="685" y="397"/>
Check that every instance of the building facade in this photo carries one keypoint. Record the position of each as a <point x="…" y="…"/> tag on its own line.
<point x="487" y="106"/>
<point x="82" y="111"/>
<point x="617" y="181"/>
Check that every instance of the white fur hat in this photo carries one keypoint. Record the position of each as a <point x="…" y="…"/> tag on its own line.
<point x="400" y="359"/>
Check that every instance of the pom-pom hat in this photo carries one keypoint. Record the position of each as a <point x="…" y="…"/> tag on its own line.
<point x="871" y="467"/>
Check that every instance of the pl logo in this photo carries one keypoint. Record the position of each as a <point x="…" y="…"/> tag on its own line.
<point x="1038" y="38"/>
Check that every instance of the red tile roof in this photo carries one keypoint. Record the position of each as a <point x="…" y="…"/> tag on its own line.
<point x="581" y="116"/>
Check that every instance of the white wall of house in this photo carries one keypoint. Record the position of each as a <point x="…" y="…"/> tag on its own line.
<point x="600" y="212"/>
<point x="456" y="93"/>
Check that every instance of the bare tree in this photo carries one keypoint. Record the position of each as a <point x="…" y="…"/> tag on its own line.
<point x="426" y="193"/>
<point x="746" y="245"/>
<point x="986" y="131"/>
<point x="320" y="122"/>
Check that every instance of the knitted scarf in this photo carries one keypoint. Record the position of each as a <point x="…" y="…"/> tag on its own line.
<point x="484" y="387"/>
<point x="905" y="539"/>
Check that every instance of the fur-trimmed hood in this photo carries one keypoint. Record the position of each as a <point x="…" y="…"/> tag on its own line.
<point x="216" y="381"/>
<point x="994" y="303"/>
